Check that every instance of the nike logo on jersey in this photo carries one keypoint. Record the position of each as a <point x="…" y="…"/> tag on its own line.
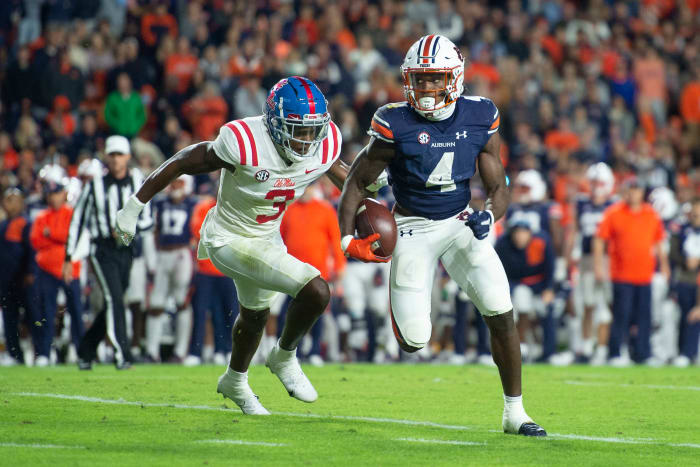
<point x="312" y="170"/>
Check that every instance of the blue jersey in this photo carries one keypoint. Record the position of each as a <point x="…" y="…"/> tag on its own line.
<point x="434" y="161"/>
<point x="532" y="266"/>
<point x="535" y="215"/>
<point x="588" y="216"/>
<point x="15" y="250"/>
<point x="173" y="221"/>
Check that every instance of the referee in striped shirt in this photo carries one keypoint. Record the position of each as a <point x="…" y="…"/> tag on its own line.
<point x="96" y="212"/>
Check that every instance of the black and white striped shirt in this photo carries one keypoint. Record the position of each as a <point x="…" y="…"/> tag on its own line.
<point x="97" y="208"/>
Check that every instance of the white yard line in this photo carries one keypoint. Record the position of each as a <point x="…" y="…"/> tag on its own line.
<point x="240" y="442"/>
<point x="377" y="420"/>
<point x="38" y="446"/>
<point x="604" y="439"/>
<point x="626" y="385"/>
<point x="441" y="441"/>
<point x="645" y="441"/>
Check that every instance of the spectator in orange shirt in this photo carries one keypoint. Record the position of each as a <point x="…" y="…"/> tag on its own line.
<point x="207" y="112"/>
<point x="48" y="236"/>
<point x="650" y="74"/>
<point x="158" y="24"/>
<point x="182" y="64"/>
<point x="213" y="292"/>
<point x="633" y="233"/>
<point x="311" y="233"/>
<point x="690" y="104"/>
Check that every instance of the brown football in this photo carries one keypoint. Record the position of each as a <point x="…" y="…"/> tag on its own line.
<point x="373" y="217"/>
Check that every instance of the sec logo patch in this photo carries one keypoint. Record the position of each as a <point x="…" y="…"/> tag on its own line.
<point x="423" y="137"/>
<point x="262" y="175"/>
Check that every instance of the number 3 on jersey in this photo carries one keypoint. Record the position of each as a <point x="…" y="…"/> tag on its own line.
<point x="442" y="173"/>
<point x="280" y="205"/>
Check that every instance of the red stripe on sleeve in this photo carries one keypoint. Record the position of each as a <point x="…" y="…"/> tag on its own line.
<point x="325" y="150"/>
<point x="239" y="138"/>
<point x="252" y="142"/>
<point x="336" y="146"/>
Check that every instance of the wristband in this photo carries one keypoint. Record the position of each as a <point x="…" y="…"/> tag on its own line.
<point x="134" y="206"/>
<point x="345" y="242"/>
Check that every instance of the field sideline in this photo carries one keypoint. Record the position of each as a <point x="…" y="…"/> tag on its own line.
<point x="365" y="415"/>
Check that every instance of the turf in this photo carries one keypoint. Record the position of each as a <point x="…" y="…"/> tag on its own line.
<point x="170" y="415"/>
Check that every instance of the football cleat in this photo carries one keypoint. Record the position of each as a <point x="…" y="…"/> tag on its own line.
<point x="241" y="394"/>
<point x="531" y="429"/>
<point x="287" y="369"/>
<point x="125" y="365"/>
<point x="84" y="364"/>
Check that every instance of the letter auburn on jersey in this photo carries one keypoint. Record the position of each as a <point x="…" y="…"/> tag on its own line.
<point x="241" y="233"/>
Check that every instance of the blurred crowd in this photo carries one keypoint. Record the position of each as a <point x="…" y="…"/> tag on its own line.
<point x="577" y="84"/>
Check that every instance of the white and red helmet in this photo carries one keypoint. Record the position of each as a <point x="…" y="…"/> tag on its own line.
<point x="530" y="187"/>
<point x="181" y="187"/>
<point x="664" y="202"/>
<point x="433" y="54"/>
<point x="601" y="178"/>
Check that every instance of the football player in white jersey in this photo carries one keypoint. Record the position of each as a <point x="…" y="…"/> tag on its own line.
<point x="267" y="162"/>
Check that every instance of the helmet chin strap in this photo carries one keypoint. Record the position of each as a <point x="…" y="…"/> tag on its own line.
<point x="441" y="114"/>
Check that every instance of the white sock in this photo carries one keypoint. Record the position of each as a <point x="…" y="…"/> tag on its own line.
<point x="238" y="378"/>
<point x="286" y="353"/>
<point x="513" y="408"/>
<point x="588" y="347"/>
<point x="154" y="334"/>
<point x="183" y="331"/>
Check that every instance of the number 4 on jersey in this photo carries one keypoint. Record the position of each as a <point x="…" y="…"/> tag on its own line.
<point x="442" y="173"/>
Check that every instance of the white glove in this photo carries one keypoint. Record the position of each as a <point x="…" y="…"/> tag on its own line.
<point x="379" y="183"/>
<point x="126" y="220"/>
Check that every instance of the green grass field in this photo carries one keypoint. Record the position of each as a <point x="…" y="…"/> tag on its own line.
<point x="365" y="415"/>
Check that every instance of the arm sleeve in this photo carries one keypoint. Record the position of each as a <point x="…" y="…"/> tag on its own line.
<point x="660" y="233"/>
<point x="60" y="235"/>
<point x="604" y="228"/>
<point x="380" y="127"/>
<point x="227" y="144"/>
<point x="36" y="235"/>
<point x="493" y="117"/>
<point x="81" y="213"/>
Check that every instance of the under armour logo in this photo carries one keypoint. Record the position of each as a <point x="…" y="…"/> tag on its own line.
<point x="461" y="134"/>
<point x="406" y="232"/>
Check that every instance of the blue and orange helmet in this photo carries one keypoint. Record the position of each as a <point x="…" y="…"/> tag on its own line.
<point x="296" y="116"/>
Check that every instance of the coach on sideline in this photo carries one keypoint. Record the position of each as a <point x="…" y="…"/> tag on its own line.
<point x="633" y="232"/>
<point x="96" y="211"/>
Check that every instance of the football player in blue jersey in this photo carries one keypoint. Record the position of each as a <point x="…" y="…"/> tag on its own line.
<point x="685" y="252"/>
<point x="596" y="297"/>
<point x="431" y="147"/>
<point x="175" y="265"/>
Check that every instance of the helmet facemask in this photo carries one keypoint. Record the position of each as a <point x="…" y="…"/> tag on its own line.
<point x="299" y="138"/>
<point x="432" y="91"/>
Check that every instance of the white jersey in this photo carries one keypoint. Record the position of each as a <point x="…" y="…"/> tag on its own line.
<point x="252" y="200"/>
